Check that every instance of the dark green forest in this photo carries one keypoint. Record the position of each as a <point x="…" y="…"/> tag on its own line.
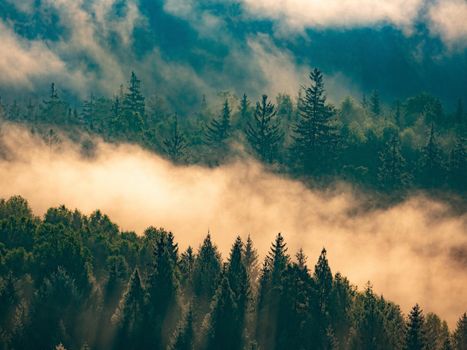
<point x="389" y="148"/>
<point x="71" y="281"/>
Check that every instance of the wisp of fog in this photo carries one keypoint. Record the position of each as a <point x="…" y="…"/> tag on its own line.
<point x="412" y="252"/>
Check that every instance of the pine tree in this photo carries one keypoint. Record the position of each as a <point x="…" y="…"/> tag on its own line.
<point x="134" y="107"/>
<point x="245" y="112"/>
<point x="315" y="134"/>
<point x="436" y="332"/>
<point x="250" y="258"/>
<point x="432" y="170"/>
<point x="184" y="339"/>
<point x="391" y="171"/>
<point x="186" y="268"/>
<point x="128" y="317"/>
<point x="222" y="332"/>
<point x="175" y="145"/>
<point x="269" y="293"/>
<point x="460" y="334"/>
<point x="206" y="273"/>
<point x="415" y="337"/>
<point x="263" y="133"/>
<point x="162" y="293"/>
<point x="240" y="285"/>
<point x="218" y="131"/>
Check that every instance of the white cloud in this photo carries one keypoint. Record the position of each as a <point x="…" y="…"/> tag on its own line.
<point x="298" y="14"/>
<point x="23" y="61"/>
<point x="449" y="20"/>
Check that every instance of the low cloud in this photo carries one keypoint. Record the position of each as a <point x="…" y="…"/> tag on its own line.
<point x="449" y="20"/>
<point x="415" y="251"/>
<point x="299" y="14"/>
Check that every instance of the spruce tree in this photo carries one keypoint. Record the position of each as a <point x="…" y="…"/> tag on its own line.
<point x="460" y="334"/>
<point x="415" y="337"/>
<point x="162" y="293"/>
<point x="186" y="268"/>
<point x="222" y="332"/>
<point x="129" y="315"/>
<point x="218" y="131"/>
<point x="134" y="107"/>
<point x="250" y="258"/>
<point x="391" y="170"/>
<point x="185" y="336"/>
<point x="432" y="172"/>
<point x="263" y="132"/>
<point x="206" y="273"/>
<point x="315" y="134"/>
<point x="245" y="112"/>
<point x="175" y="145"/>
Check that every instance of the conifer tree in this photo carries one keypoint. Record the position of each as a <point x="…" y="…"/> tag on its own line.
<point x="245" y="112"/>
<point x="432" y="172"/>
<point x="315" y="134"/>
<point x="460" y="334"/>
<point x="250" y="258"/>
<point x="162" y="293"/>
<point x="184" y="339"/>
<point x="263" y="132"/>
<point x="134" y="106"/>
<point x="186" y="268"/>
<point x="206" y="273"/>
<point x="175" y="145"/>
<point x="391" y="170"/>
<point x="218" y="131"/>
<point x="128" y="317"/>
<point x="415" y="337"/>
<point x="222" y="332"/>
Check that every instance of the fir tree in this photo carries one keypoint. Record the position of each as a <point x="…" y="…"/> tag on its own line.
<point x="315" y="136"/>
<point x="250" y="258"/>
<point x="432" y="171"/>
<point x="263" y="133"/>
<point x="222" y="332"/>
<point x="128" y="317"/>
<point x="184" y="339"/>
<point x="415" y="337"/>
<point x="460" y="334"/>
<point x="218" y="131"/>
<point x="175" y="145"/>
<point x="391" y="171"/>
<point x="245" y="112"/>
<point x="134" y="107"/>
<point x="186" y="268"/>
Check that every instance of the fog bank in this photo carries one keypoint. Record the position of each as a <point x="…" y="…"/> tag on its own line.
<point x="415" y="251"/>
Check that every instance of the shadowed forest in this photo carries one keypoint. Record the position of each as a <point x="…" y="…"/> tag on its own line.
<point x="409" y="145"/>
<point x="78" y="282"/>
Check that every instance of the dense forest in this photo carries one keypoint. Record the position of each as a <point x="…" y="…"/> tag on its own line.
<point x="71" y="281"/>
<point x="413" y="144"/>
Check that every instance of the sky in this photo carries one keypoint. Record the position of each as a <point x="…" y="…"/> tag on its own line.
<point x="183" y="49"/>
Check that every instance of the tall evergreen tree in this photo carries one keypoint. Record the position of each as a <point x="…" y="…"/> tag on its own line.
<point x="460" y="334"/>
<point x="250" y="258"/>
<point x="218" y="131"/>
<point x="128" y="317"/>
<point x="185" y="336"/>
<point x="245" y="112"/>
<point x="391" y="170"/>
<point x="222" y="332"/>
<point x="175" y="145"/>
<point x="134" y="106"/>
<point x="432" y="172"/>
<point x="315" y="136"/>
<point x="186" y="268"/>
<point x="415" y="338"/>
<point x="263" y="133"/>
<point x="162" y="293"/>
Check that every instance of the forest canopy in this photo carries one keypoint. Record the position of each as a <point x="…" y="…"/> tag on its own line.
<point x="74" y="281"/>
